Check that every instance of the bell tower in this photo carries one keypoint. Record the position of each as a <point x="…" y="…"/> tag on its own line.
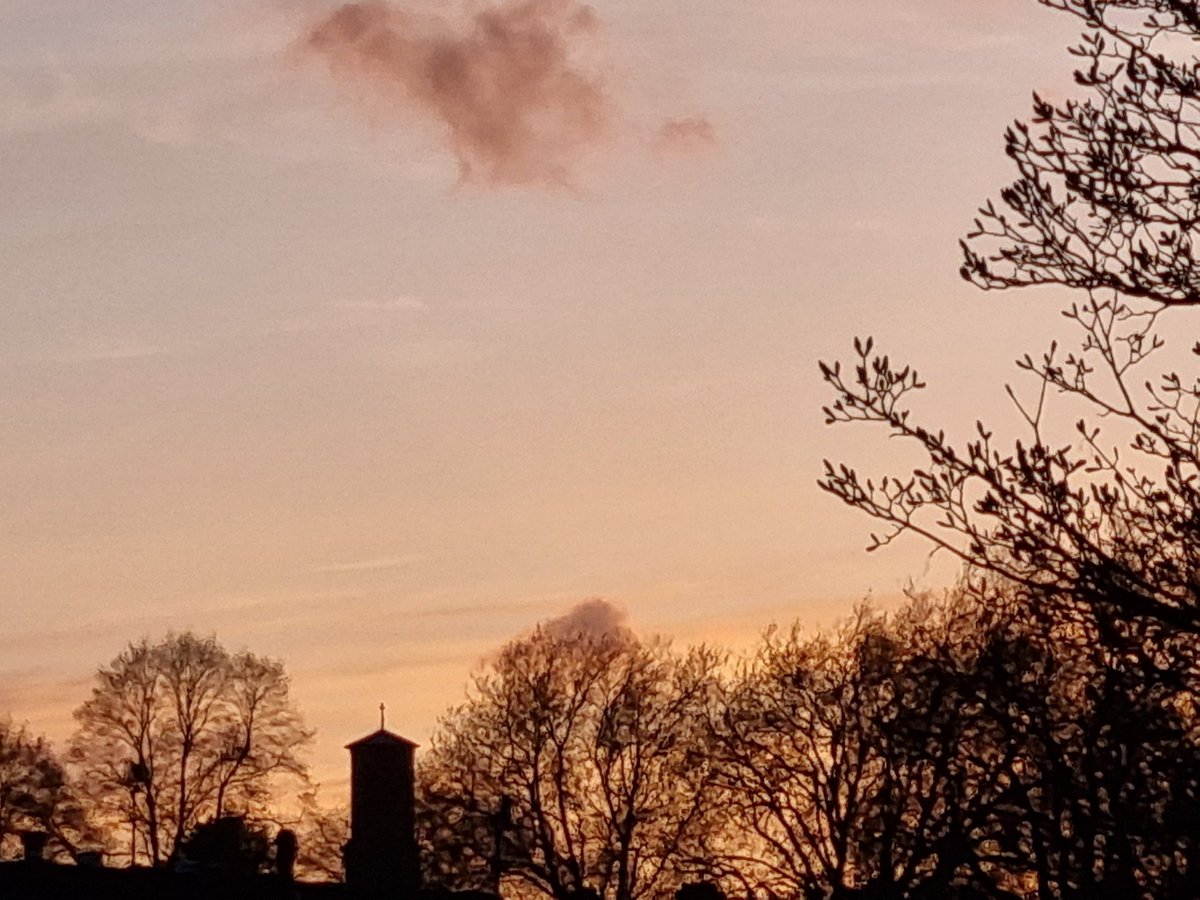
<point x="381" y="856"/>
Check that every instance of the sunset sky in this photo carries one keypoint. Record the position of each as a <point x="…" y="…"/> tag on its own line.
<point x="352" y="373"/>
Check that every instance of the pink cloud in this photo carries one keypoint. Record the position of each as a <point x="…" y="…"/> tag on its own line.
<point x="506" y="86"/>
<point x="596" y="617"/>
<point x="694" y="134"/>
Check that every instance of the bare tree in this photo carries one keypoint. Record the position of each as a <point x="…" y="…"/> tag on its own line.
<point x="1106" y="203"/>
<point x="1105" y="199"/>
<point x="959" y="749"/>
<point x="850" y="764"/>
<point x="180" y="732"/>
<point x="321" y="832"/>
<point x="1097" y="528"/>
<point x="1065" y="521"/>
<point x="571" y="769"/>
<point x="36" y="795"/>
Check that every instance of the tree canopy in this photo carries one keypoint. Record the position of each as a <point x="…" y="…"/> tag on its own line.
<point x="36" y="795"/>
<point x="1105" y="197"/>
<point x="180" y="732"/>
<point x="572" y="767"/>
<point x="1091" y="529"/>
<point x="1105" y="203"/>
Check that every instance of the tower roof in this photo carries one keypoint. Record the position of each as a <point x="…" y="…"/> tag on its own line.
<point x="381" y="738"/>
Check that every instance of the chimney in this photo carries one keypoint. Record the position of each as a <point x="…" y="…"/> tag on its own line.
<point x="33" y="846"/>
<point x="381" y="855"/>
<point x="285" y="854"/>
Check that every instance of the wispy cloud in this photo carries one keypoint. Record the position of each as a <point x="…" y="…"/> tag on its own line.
<point x="117" y="353"/>
<point x="690" y="135"/>
<point x="429" y="353"/>
<point x="378" y="564"/>
<point x="35" y="695"/>
<point x="345" y="314"/>
<point x="49" y="100"/>
<point x="99" y="349"/>
<point x="62" y="98"/>
<point x="395" y="304"/>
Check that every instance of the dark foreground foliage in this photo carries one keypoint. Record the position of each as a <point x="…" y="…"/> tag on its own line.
<point x="1091" y="524"/>
<point x="969" y="747"/>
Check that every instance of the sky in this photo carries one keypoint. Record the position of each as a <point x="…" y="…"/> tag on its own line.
<point x="308" y="340"/>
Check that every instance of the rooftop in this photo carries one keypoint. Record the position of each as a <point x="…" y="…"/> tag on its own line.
<point x="381" y="738"/>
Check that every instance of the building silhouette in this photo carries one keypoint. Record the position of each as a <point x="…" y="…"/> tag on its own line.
<point x="381" y="855"/>
<point x="381" y="859"/>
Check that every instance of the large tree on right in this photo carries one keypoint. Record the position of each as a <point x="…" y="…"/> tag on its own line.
<point x="1103" y="505"/>
<point x="1106" y="196"/>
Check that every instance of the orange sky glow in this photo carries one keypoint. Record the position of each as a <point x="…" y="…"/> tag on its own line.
<point x="367" y="336"/>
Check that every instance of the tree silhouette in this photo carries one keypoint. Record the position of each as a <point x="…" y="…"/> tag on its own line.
<point x="1106" y="203"/>
<point x="181" y="732"/>
<point x="229" y="846"/>
<point x="571" y="769"/>
<point x="851" y="764"/>
<point x="1111" y="768"/>
<point x="1094" y="532"/>
<point x="1105" y="198"/>
<point x="321" y="834"/>
<point x="36" y="795"/>
<point x="964" y="748"/>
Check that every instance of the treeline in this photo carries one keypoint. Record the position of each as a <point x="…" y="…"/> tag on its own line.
<point x="975" y="745"/>
<point x="1033" y="734"/>
<point x="970" y="747"/>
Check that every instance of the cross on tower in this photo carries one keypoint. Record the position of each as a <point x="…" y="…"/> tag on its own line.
<point x="382" y="708"/>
